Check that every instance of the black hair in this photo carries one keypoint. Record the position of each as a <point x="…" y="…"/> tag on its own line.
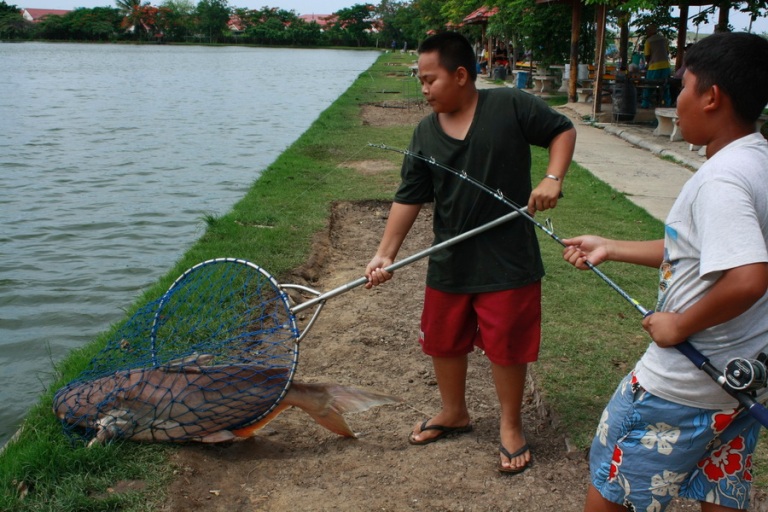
<point x="737" y="63"/>
<point x="454" y="51"/>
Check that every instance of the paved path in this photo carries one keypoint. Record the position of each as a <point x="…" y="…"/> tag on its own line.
<point x="634" y="169"/>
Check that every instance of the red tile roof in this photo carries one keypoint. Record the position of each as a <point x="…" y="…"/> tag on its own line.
<point x="320" y="19"/>
<point x="38" y="14"/>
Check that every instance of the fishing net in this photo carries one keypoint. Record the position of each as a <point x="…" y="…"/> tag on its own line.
<point x="216" y="352"/>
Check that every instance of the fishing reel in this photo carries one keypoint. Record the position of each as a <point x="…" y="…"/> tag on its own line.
<point x="744" y="374"/>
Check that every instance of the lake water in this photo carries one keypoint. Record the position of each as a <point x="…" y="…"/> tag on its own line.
<point x="110" y="157"/>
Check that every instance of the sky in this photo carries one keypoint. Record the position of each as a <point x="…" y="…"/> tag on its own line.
<point x="739" y="21"/>
<point x="300" y="6"/>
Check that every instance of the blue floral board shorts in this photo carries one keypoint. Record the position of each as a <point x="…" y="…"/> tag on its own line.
<point x="648" y="450"/>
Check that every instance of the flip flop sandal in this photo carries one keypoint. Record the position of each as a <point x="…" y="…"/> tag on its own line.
<point x="443" y="432"/>
<point x="510" y="456"/>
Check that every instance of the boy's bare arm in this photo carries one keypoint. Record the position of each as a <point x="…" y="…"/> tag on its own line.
<point x="546" y="194"/>
<point x="595" y="249"/>
<point x="401" y="219"/>
<point x="733" y="293"/>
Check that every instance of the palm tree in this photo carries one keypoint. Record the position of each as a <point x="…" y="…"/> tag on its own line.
<point x="133" y="21"/>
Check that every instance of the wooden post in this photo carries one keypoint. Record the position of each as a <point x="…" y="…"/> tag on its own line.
<point x="597" y="91"/>
<point x="575" y="30"/>
<point x="682" y="34"/>
<point x="722" y="17"/>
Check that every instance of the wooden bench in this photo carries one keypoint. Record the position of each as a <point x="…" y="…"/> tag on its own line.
<point x="609" y="74"/>
<point x="667" y="124"/>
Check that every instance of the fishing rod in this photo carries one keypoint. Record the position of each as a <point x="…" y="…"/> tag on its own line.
<point x="741" y="377"/>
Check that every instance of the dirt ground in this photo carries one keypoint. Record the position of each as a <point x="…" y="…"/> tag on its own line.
<point x="367" y="338"/>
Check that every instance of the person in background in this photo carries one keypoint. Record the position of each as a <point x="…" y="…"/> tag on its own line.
<point x="486" y="290"/>
<point x="500" y="56"/>
<point x="483" y="61"/>
<point x="669" y="429"/>
<point x="656" y="52"/>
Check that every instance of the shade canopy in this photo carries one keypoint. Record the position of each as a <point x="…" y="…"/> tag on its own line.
<point x="480" y="15"/>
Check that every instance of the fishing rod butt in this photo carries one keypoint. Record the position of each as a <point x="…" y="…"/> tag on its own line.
<point x="758" y="411"/>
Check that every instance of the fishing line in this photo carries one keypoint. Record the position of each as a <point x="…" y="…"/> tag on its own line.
<point x="757" y="410"/>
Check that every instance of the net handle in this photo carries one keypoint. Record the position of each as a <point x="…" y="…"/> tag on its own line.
<point x="406" y="261"/>
<point x="315" y="314"/>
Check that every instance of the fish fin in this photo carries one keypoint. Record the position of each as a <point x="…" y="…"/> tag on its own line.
<point x="250" y="430"/>
<point x="330" y="401"/>
<point x="222" y="436"/>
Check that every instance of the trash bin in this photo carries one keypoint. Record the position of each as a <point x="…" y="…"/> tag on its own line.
<point x="499" y="73"/>
<point x="624" y="99"/>
<point x="583" y="72"/>
<point x="522" y="79"/>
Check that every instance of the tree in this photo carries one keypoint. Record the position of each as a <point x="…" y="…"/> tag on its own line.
<point x="401" y="22"/>
<point x="12" y="23"/>
<point x="139" y="19"/>
<point x="270" y="25"/>
<point x="175" y="19"/>
<point x="354" y="24"/>
<point x="542" y="29"/>
<point x="97" y="24"/>
<point x="212" y="18"/>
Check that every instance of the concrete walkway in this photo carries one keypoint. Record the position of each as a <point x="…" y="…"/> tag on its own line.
<point x="630" y="159"/>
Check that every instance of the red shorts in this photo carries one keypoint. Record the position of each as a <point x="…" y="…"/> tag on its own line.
<point x="505" y="324"/>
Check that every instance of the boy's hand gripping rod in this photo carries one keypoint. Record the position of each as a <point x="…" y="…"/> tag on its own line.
<point x="756" y="409"/>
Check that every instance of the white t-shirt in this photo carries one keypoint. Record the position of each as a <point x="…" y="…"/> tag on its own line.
<point x="719" y="222"/>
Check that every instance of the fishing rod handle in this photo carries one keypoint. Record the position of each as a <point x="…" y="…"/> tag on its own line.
<point x="755" y="409"/>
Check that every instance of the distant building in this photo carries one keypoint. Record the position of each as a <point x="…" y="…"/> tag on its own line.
<point x="235" y="24"/>
<point x="321" y="19"/>
<point x="36" y="15"/>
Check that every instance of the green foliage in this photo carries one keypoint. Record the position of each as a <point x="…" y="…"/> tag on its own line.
<point x="175" y="19"/>
<point x="9" y="8"/>
<point x="544" y="29"/>
<point x="353" y="26"/>
<point x="12" y="23"/>
<point x="97" y="24"/>
<point x="212" y="18"/>
<point x="400" y="23"/>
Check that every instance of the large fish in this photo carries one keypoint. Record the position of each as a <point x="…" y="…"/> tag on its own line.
<point x="181" y="402"/>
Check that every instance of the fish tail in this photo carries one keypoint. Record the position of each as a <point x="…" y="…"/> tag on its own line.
<point x="327" y="403"/>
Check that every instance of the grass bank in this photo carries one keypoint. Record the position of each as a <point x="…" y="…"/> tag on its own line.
<point x="591" y="336"/>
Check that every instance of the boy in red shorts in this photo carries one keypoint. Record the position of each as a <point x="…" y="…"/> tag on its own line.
<point x="485" y="291"/>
